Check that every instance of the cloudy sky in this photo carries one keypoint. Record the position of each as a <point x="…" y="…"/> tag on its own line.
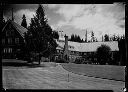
<point x="76" y="18"/>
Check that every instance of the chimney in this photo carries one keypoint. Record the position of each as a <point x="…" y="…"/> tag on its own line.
<point x="12" y="15"/>
<point x="66" y="53"/>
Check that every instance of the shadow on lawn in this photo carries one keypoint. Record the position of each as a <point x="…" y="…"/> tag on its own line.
<point x="22" y="64"/>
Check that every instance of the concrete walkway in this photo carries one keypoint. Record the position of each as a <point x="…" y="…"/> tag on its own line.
<point x="53" y="77"/>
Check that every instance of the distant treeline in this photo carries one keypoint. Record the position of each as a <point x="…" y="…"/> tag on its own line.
<point x="106" y="37"/>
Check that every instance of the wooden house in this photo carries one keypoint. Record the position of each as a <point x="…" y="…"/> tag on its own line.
<point x="13" y="40"/>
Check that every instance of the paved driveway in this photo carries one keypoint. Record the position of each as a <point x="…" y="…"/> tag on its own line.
<point x="53" y="77"/>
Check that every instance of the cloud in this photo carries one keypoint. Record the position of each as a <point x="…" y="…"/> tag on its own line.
<point x="76" y="18"/>
<point x="70" y="11"/>
<point x="102" y="19"/>
<point x="19" y="14"/>
<point x="52" y="6"/>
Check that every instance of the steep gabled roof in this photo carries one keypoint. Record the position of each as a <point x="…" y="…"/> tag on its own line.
<point x="18" y="27"/>
<point x="89" y="47"/>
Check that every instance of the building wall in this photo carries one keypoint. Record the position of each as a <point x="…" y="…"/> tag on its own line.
<point x="87" y="57"/>
<point x="12" y="42"/>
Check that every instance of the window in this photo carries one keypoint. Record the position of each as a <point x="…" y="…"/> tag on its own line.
<point x="6" y="33"/>
<point x="17" y="40"/>
<point x="85" y="54"/>
<point x="9" y="40"/>
<point x="3" y="41"/>
<point x="10" y="32"/>
<point x="4" y="50"/>
<point x="9" y="50"/>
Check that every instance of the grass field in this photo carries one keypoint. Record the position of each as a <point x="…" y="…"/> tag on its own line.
<point x="17" y="74"/>
<point x="101" y="71"/>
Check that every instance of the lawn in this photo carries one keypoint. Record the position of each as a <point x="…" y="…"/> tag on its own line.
<point x="101" y="71"/>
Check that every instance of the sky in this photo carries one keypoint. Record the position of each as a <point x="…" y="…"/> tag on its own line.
<point x="76" y="18"/>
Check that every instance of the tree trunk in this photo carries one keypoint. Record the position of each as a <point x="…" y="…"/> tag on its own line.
<point x="39" y="59"/>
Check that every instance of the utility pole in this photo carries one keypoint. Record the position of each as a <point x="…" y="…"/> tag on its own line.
<point x="86" y="36"/>
<point x="102" y="38"/>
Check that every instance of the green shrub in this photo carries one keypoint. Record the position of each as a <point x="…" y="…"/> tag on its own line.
<point x="61" y="61"/>
<point x="103" y="54"/>
<point x="78" y="61"/>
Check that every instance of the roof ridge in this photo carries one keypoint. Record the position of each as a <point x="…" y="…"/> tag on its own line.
<point x="89" y="47"/>
<point x="19" y="25"/>
<point x="5" y="25"/>
<point x="16" y="25"/>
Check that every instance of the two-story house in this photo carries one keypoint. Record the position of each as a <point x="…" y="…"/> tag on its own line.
<point x="13" y="40"/>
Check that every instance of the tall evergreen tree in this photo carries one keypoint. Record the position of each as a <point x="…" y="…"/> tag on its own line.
<point x="92" y="36"/>
<point x="55" y="35"/>
<point x="24" y="23"/>
<point x="40" y="35"/>
<point x="103" y="54"/>
<point x="106" y="37"/>
<point x="114" y="37"/>
<point x="72" y="37"/>
<point x="86" y="36"/>
<point x="76" y="38"/>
